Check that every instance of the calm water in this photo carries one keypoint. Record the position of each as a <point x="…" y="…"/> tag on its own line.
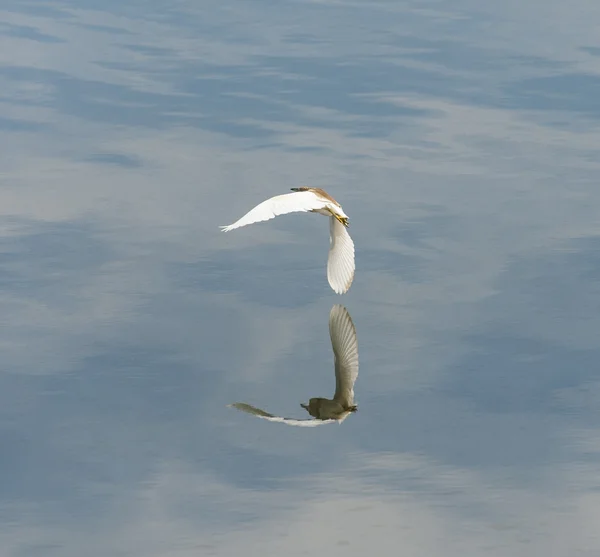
<point x="463" y="140"/>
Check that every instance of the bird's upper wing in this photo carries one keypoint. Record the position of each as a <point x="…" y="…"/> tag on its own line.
<point x="345" y="351"/>
<point x="289" y="421"/>
<point x="340" y="263"/>
<point x="279" y="205"/>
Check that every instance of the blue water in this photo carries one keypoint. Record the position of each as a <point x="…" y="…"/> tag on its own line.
<point x="463" y="140"/>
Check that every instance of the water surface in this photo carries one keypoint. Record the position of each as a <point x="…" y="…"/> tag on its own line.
<point x="462" y="140"/>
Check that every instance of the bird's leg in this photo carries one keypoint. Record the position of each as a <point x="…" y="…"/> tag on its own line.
<point x="343" y="220"/>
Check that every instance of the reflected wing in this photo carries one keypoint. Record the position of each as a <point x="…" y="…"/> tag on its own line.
<point x="345" y="351"/>
<point x="301" y="201"/>
<point x="340" y="263"/>
<point x="266" y="416"/>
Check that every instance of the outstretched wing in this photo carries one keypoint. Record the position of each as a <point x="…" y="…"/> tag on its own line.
<point x="301" y="201"/>
<point x="266" y="416"/>
<point x="345" y="351"/>
<point x="340" y="263"/>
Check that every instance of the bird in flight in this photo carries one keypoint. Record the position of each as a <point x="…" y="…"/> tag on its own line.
<point x="345" y="352"/>
<point x="340" y="262"/>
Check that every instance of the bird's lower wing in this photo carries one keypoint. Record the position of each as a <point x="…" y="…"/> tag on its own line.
<point x="345" y="351"/>
<point x="340" y="263"/>
<point x="249" y="409"/>
<point x="301" y="201"/>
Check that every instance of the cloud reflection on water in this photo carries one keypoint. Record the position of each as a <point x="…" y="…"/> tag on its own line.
<point x="463" y="137"/>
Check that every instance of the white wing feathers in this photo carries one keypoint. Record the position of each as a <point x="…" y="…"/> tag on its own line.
<point x="249" y="409"/>
<point x="345" y="351"/>
<point x="301" y="201"/>
<point x="340" y="263"/>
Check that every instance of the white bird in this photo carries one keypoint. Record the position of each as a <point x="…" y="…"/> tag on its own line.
<point x="340" y="263"/>
<point x="345" y="352"/>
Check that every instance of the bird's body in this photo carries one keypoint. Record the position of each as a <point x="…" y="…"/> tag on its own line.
<point x="340" y="262"/>
<point x="345" y="350"/>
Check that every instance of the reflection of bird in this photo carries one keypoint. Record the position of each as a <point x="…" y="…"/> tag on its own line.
<point x="340" y="263"/>
<point x="345" y="351"/>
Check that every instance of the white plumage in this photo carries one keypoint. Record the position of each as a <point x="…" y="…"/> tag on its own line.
<point x="249" y="409"/>
<point x="302" y="201"/>
<point x="340" y="262"/>
<point x="345" y="352"/>
<point x="325" y="411"/>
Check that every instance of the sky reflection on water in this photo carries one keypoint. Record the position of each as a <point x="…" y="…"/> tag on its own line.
<point x="462" y="140"/>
